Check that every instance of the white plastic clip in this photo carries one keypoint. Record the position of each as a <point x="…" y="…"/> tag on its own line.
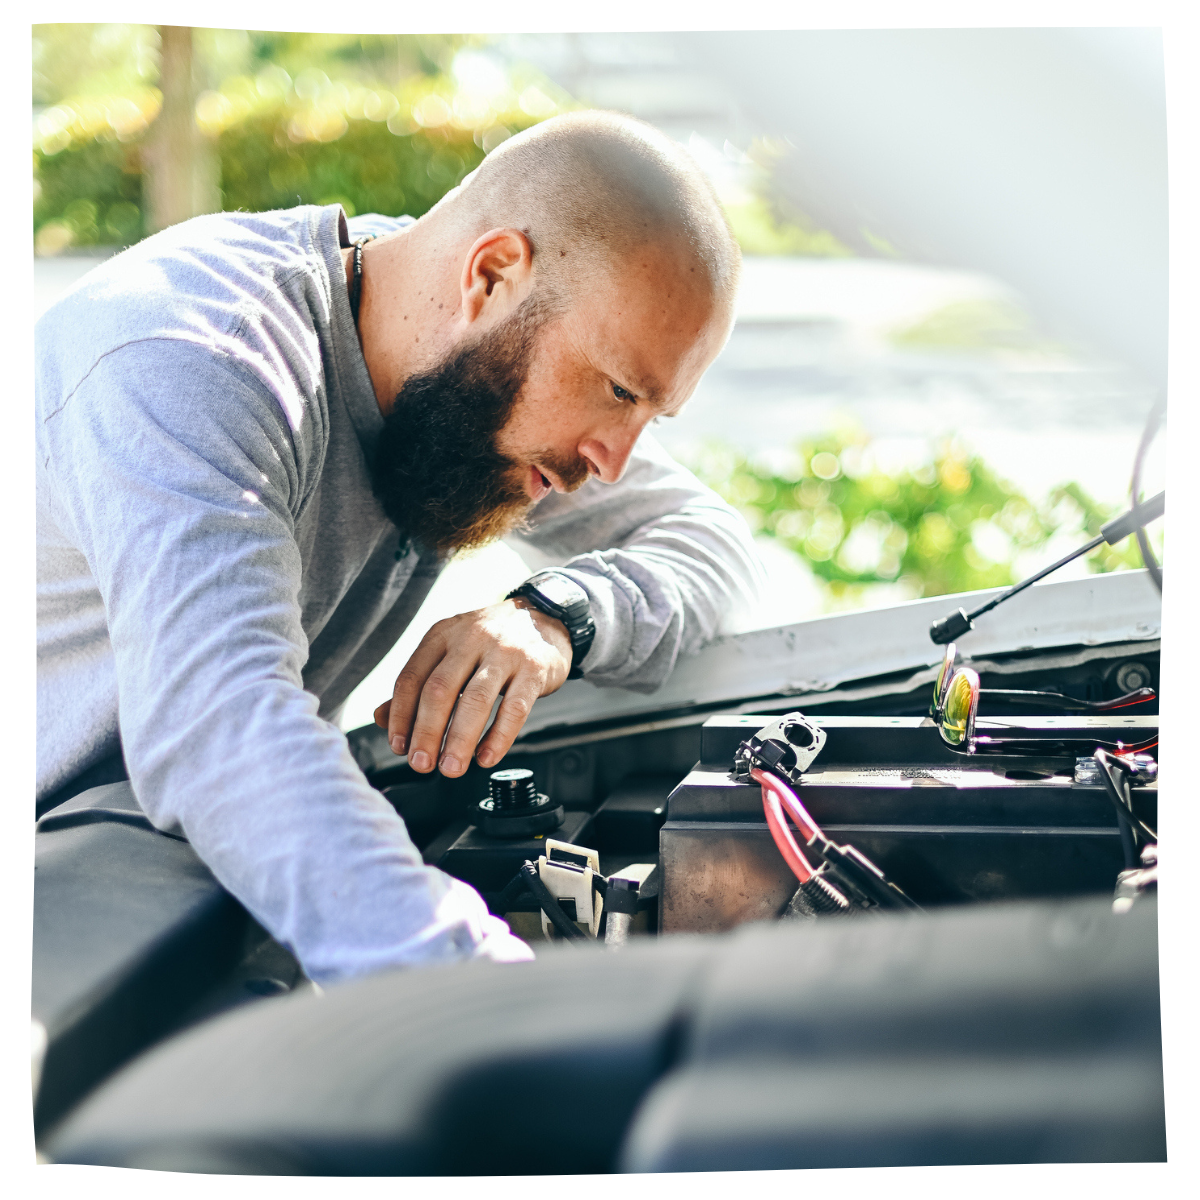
<point x="567" y="871"/>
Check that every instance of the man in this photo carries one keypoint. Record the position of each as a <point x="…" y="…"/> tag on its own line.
<point x="258" y="443"/>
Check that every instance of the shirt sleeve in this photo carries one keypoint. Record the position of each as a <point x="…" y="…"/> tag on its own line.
<point x="180" y="483"/>
<point x="678" y="567"/>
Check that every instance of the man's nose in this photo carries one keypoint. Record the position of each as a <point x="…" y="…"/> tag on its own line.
<point x="609" y="453"/>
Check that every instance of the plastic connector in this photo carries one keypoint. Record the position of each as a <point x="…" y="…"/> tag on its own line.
<point x="950" y="628"/>
<point x="787" y="747"/>
<point x="569" y="874"/>
<point x="816" y="897"/>
<point x="860" y="880"/>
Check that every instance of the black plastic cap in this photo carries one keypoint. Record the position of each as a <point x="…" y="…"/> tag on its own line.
<point x="621" y="895"/>
<point x="949" y="628"/>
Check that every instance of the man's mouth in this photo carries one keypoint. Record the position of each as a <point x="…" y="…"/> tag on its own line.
<point x="539" y="485"/>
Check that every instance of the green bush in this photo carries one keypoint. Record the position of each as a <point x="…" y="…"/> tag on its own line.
<point x="372" y="149"/>
<point x="948" y="525"/>
<point x="94" y="190"/>
<point x="367" y="169"/>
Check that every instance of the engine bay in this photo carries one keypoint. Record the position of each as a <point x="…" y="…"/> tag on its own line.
<point x="635" y="834"/>
<point x="949" y="828"/>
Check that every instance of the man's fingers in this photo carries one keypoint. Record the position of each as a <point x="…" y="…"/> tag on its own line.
<point x="435" y="706"/>
<point x="406" y="693"/>
<point x="470" y="718"/>
<point x="468" y="661"/>
<point x="381" y="714"/>
<point x="514" y="712"/>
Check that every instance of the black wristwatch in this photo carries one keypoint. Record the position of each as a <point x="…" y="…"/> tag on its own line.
<point x="559" y="596"/>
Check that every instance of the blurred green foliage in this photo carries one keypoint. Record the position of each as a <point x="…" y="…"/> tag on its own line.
<point x="92" y="60"/>
<point x="94" y="191"/>
<point x="93" y="188"/>
<point x="381" y="124"/>
<point x="82" y="59"/>
<point x="301" y="118"/>
<point x="367" y="169"/>
<point x="947" y="525"/>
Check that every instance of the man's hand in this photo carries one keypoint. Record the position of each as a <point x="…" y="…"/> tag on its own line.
<point x="469" y="660"/>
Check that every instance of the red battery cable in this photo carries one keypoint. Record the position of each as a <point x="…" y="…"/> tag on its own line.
<point x="776" y="798"/>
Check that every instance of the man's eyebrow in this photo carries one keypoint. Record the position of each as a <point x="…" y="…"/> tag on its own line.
<point x="644" y="387"/>
<point x="647" y="389"/>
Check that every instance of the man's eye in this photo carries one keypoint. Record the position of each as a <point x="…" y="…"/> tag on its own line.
<point x="622" y="394"/>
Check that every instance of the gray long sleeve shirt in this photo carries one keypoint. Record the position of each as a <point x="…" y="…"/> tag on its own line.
<point x="215" y="576"/>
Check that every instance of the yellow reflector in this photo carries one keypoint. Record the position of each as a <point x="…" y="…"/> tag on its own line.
<point x="959" y="706"/>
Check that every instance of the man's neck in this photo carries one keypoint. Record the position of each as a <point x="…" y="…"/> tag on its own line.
<point x="409" y="306"/>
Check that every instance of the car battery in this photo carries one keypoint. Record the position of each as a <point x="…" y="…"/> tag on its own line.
<point x="947" y="828"/>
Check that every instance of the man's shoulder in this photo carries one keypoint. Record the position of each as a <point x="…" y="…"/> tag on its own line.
<point x="210" y="260"/>
<point x="239" y="284"/>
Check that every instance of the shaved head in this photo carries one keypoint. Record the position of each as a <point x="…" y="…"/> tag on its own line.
<point x="588" y="189"/>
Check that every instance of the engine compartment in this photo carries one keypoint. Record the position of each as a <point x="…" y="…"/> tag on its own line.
<point x="136" y="945"/>
<point x="951" y="830"/>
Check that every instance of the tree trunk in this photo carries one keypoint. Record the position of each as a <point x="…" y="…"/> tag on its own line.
<point x="182" y="167"/>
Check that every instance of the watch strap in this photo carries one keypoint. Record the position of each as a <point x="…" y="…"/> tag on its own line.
<point x="581" y="629"/>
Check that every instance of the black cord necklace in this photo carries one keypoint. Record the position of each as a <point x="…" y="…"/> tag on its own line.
<point x="405" y="543"/>
<point x="356" y="281"/>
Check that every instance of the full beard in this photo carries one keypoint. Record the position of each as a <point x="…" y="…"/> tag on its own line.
<point x="437" y="471"/>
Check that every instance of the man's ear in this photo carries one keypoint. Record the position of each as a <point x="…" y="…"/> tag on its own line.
<point x="495" y="272"/>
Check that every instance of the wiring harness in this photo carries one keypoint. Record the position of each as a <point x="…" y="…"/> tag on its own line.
<point x="843" y="879"/>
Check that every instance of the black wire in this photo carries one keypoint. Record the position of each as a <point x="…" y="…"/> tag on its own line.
<point x="549" y="905"/>
<point x="1123" y="803"/>
<point x="514" y="890"/>
<point x="1057" y="700"/>
<point x="1124" y="818"/>
<point x="1128" y="845"/>
<point x="1153" y="421"/>
<point x="1128" y="841"/>
<point x="356" y="279"/>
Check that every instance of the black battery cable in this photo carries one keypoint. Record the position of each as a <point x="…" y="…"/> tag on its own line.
<point x="527" y="879"/>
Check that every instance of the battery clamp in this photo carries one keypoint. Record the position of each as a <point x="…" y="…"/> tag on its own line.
<point x="788" y="746"/>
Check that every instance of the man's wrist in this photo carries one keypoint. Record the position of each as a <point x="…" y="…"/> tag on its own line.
<point x="550" y="626"/>
<point x="560" y="597"/>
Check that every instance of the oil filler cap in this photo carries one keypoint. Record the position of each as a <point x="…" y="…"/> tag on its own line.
<point x="514" y="808"/>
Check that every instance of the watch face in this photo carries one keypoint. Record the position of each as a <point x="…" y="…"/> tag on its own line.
<point x="561" y="592"/>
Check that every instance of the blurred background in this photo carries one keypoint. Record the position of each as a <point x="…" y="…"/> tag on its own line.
<point x="952" y="323"/>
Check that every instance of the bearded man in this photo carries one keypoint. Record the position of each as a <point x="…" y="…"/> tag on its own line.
<point x="259" y="438"/>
